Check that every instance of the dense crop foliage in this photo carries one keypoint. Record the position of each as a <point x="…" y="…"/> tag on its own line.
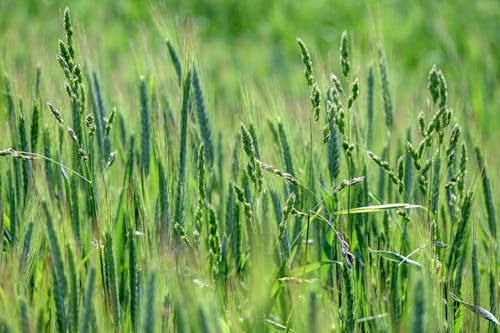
<point x="322" y="208"/>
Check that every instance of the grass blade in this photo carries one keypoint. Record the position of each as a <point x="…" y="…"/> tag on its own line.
<point x="87" y="303"/>
<point x="481" y="311"/>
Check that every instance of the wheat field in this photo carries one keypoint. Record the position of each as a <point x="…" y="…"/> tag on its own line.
<point x="196" y="167"/>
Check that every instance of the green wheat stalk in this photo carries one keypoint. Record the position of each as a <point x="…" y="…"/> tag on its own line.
<point x="179" y="197"/>
<point x="145" y="127"/>
<point x="149" y="309"/>
<point x="386" y="92"/>
<point x="60" y="284"/>
<point x="175" y="61"/>
<point x="87" y="302"/>
<point x="203" y="119"/>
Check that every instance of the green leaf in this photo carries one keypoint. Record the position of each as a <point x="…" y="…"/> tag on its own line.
<point x="393" y="256"/>
<point x="6" y="222"/>
<point x="381" y="208"/>
<point x="481" y="311"/>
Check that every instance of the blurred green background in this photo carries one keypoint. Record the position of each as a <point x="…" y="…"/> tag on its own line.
<point x="252" y="44"/>
<point x="250" y="65"/>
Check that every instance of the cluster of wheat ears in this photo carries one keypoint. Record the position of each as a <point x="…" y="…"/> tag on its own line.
<point x="253" y="230"/>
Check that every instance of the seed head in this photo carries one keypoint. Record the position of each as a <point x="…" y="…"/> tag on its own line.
<point x="434" y="83"/>
<point x="344" y="55"/>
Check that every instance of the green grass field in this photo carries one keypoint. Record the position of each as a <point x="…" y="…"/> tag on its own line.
<point x="218" y="166"/>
